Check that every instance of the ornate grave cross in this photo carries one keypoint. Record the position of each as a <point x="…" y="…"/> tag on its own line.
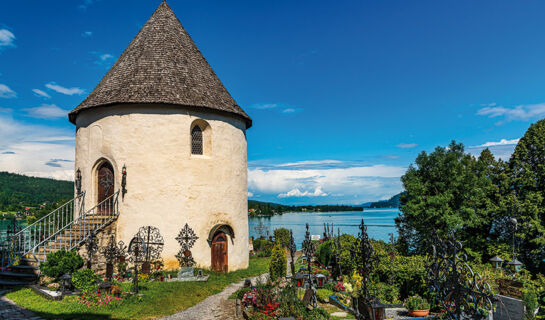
<point x="328" y="234"/>
<point x="186" y="238"/>
<point x="261" y="229"/>
<point x="461" y="291"/>
<point x="112" y="252"/>
<point x="292" y="247"/>
<point x="92" y="247"/>
<point x="153" y="241"/>
<point x="308" y="250"/>
<point x="137" y="252"/>
<point x="366" y="260"/>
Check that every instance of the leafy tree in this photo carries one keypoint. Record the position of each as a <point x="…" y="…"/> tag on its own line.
<point x="449" y="190"/>
<point x="282" y="237"/>
<point x="527" y="166"/>
<point x="278" y="264"/>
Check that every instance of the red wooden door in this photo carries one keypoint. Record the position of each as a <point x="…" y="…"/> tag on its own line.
<point x="219" y="253"/>
<point x="105" y="181"/>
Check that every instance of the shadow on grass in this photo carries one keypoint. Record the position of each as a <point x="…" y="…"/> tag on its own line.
<point x="41" y="303"/>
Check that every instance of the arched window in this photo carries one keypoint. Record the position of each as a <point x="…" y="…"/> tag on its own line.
<point x="196" y="140"/>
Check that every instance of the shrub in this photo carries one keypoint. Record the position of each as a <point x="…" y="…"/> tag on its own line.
<point x="325" y="252"/>
<point x="282" y="237"/>
<point x="385" y="292"/>
<point x="416" y="303"/>
<point x="61" y="262"/>
<point x="278" y="263"/>
<point x="85" y="280"/>
<point x="529" y="298"/>
<point x="262" y="243"/>
<point x="264" y="253"/>
<point x="347" y="263"/>
<point x="323" y="295"/>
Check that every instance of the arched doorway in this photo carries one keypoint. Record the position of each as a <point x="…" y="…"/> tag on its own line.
<point x="219" y="253"/>
<point x="105" y="181"/>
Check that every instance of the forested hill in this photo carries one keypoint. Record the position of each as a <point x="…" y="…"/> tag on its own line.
<point x="19" y="191"/>
<point x="393" y="202"/>
<point x="268" y="209"/>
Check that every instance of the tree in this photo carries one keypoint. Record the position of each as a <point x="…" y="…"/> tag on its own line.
<point x="449" y="190"/>
<point x="282" y="237"/>
<point x="527" y="166"/>
<point x="278" y="264"/>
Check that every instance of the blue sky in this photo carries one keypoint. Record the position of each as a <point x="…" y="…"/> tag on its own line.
<point x="343" y="94"/>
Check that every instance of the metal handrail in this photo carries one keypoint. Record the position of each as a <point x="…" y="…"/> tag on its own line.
<point x="60" y="228"/>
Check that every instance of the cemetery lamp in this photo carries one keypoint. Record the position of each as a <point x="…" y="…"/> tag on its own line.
<point x="496" y="262"/>
<point x="66" y="282"/>
<point x="515" y="264"/>
<point x="123" y="180"/>
<point x="78" y="182"/>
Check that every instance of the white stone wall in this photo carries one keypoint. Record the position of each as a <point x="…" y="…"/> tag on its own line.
<point x="167" y="186"/>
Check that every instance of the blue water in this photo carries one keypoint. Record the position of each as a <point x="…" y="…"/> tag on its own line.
<point x="380" y="223"/>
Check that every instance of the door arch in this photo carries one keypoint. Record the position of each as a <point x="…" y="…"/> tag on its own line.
<point x="219" y="253"/>
<point x="105" y="181"/>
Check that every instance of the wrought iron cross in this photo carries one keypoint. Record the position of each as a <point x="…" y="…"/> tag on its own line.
<point x="186" y="238"/>
<point x="261" y="229"/>
<point x="137" y="251"/>
<point x="293" y="249"/>
<point x="92" y="247"/>
<point x="308" y="249"/>
<point x="153" y="242"/>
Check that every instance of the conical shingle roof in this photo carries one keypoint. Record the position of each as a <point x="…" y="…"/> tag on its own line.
<point x="162" y="65"/>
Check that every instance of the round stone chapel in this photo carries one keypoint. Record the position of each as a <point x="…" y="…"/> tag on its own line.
<point x="161" y="135"/>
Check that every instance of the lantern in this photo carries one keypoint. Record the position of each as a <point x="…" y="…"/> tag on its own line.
<point x="496" y="262"/>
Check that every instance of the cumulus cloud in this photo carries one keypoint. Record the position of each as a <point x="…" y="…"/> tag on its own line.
<point x="41" y="93"/>
<point x="7" y="38"/>
<point x="27" y="148"/>
<point x="67" y="91"/>
<point x="502" y="149"/>
<point x="297" y="193"/>
<point x="46" y="111"/>
<point x="6" y="92"/>
<point x="333" y="181"/>
<point x="518" y="113"/>
<point x="406" y="145"/>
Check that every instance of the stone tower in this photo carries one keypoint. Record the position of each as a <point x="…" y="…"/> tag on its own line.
<point x="162" y="113"/>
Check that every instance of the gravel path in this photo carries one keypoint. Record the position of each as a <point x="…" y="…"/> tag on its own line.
<point x="214" y="307"/>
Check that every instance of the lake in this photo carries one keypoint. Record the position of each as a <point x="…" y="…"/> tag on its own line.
<point x="380" y="223"/>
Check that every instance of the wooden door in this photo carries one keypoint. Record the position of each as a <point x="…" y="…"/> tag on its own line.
<point x="219" y="253"/>
<point x="105" y="181"/>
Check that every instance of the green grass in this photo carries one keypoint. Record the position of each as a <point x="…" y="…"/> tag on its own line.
<point x="159" y="298"/>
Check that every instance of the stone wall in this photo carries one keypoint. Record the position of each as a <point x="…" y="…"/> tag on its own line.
<point x="103" y="238"/>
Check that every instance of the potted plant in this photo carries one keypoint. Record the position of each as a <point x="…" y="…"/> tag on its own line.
<point x="417" y="306"/>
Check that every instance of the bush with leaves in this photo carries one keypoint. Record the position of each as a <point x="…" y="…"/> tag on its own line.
<point x="416" y="302"/>
<point x="282" y="237"/>
<point x="85" y="280"/>
<point x="61" y="262"/>
<point x="325" y="253"/>
<point x="278" y="263"/>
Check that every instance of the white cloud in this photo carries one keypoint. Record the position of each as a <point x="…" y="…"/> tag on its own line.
<point x="343" y="182"/>
<point x="87" y="34"/>
<point x="250" y="194"/>
<point x="85" y="4"/>
<point x="499" y="143"/>
<point x="7" y="38"/>
<point x="406" y="145"/>
<point x="26" y="149"/>
<point x="46" y="111"/>
<point x="41" y="93"/>
<point x="105" y="56"/>
<point x="264" y="106"/>
<point x="518" y="113"/>
<point x="297" y="193"/>
<point x="68" y="91"/>
<point x="288" y="110"/>
<point x="6" y="92"/>
<point x="502" y="149"/>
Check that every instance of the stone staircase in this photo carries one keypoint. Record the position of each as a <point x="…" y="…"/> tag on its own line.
<point x="61" y="229"/>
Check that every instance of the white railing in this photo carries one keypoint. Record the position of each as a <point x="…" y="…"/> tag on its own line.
<point x="60" y="229"/>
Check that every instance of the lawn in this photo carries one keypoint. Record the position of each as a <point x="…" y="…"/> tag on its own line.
<point x="159" y="298"/>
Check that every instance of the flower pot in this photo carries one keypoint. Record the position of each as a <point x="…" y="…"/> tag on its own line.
<point x="419" y="313"/>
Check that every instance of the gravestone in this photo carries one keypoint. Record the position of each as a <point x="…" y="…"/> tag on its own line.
<point x="508" y="308"/>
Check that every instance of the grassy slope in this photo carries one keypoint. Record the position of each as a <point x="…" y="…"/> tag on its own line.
<point x="160" y="298"/>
